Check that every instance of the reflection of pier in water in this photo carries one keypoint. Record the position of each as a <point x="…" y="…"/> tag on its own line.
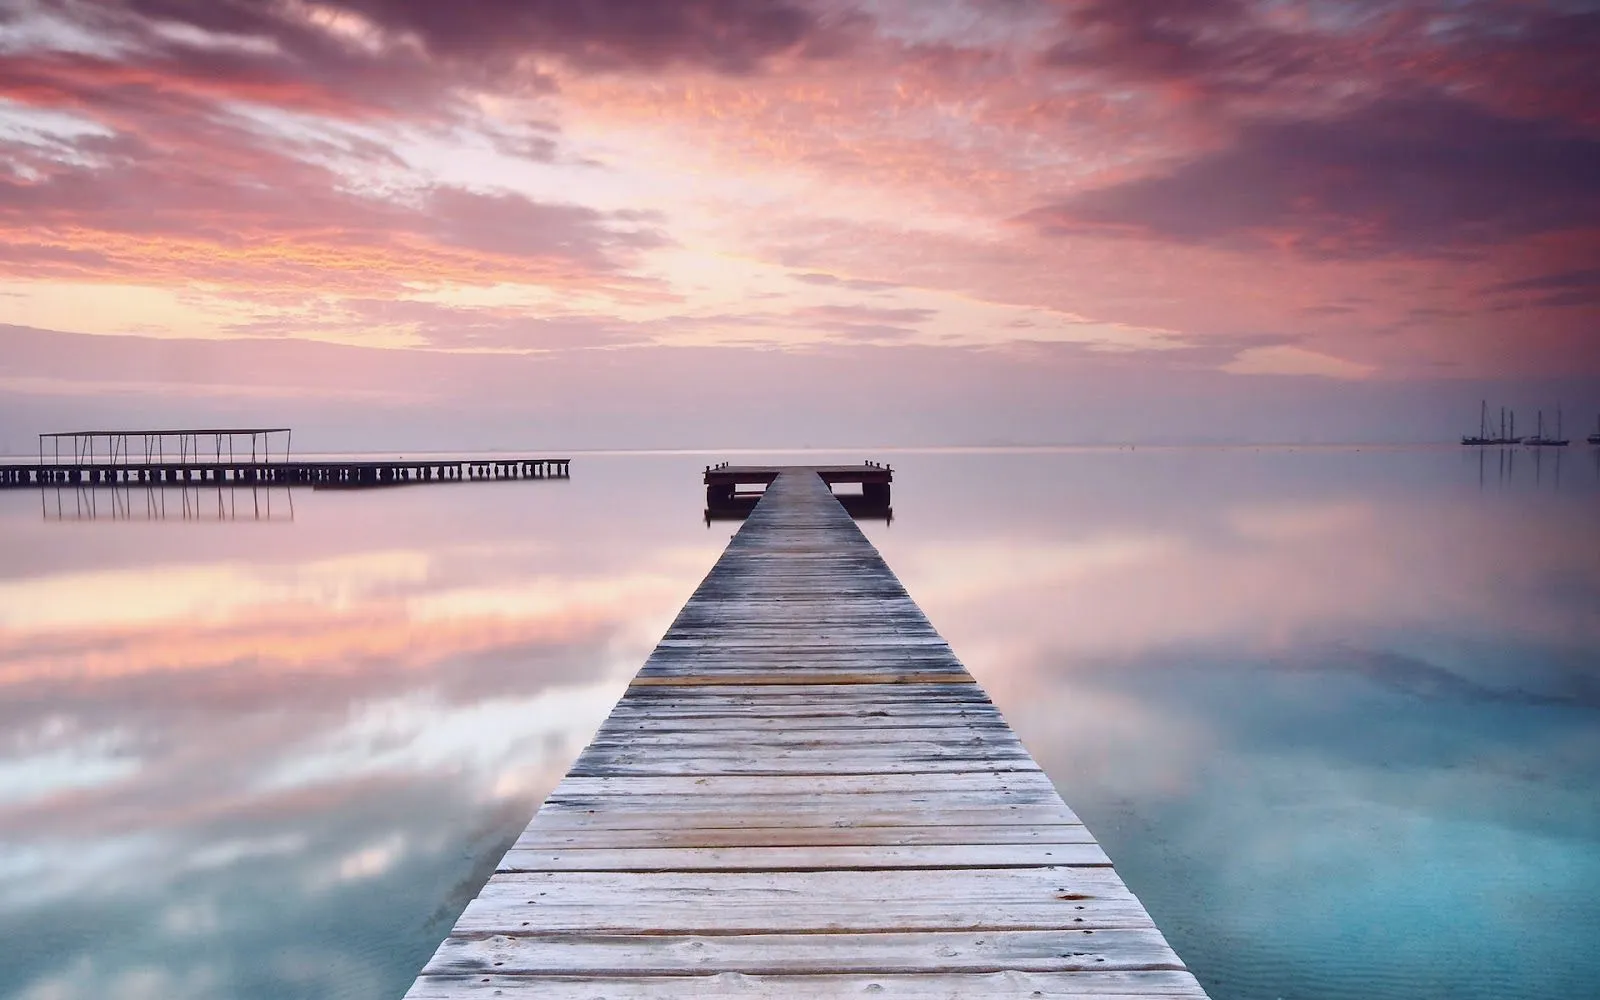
<point x="730" y="498"/>
<point x="170" y="503"/>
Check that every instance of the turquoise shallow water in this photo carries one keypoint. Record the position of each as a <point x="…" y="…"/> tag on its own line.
<point x="1335" y="713"/>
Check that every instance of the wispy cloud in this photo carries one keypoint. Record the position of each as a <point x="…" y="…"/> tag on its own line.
<point x="541" y="176"/>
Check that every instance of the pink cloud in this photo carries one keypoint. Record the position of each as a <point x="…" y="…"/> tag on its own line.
<point x="1160" y="156"/>
<point x="1418" y="177"/>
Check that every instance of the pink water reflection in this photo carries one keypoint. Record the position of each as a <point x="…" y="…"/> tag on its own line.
<point x="1335" y="714"/>
<point x="274" y="759"/>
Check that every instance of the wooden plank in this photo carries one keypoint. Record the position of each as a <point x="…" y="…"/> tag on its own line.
<point x="934" y="765"/>
<point x="712" y="816"/>
<point x="802" y="836"/>
<point x="860" y="810"/>
<point x="803" y="793"/>
<point x="734" y="786"/>
<point x="822" y="694"/>
<point x="747" y="677"/>
<point x="781" y="806"/>
<point x="1006" y="985"/>
<point x="825" y="725"/>
<point x="534" y="858"/>
<point x="1108" y="950"/>
<point x="861" y="736"/>
<point x="810" y="756"/>
<point x="864" y="890"/>
<point x="911" y="699"/>
<point x="711" y="902"/>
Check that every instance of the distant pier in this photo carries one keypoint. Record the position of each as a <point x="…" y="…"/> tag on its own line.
<point x="241" y="456"/>
<point x="803" y="794"/>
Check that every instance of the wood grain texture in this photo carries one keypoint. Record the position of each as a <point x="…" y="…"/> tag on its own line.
<point x="803" y="793"/>
<point x="1004" y="985"/>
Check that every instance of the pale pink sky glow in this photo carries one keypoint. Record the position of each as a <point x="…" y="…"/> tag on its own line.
<point x="959" y="222"/>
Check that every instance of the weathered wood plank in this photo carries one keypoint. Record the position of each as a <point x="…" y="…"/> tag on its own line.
<point x="803" y="793"/>
<point x="821" y="694"/>
<point x="537" y="858"/>
<point x="709" y="816"/>
<point x="789" y="835"/>
<point x="810" y="786"/>
<point x="668" y="805"/>
<point x="748" y="677"/>
<point x="814" y="726"/>
<point x="863" y="735"/>
<point x="711" y="902"/>
<point x="810" y="756"/>
<point x="1108" y="950"/>
<point x="601" y="762"/>
<point x="1007" y="985"/>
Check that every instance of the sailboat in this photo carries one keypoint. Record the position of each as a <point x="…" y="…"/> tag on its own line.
<point x="1482" y="437"/>
<point x="1503" y="437"/>
<point x="1540" y="441"/>
<point x="1595" y="437"/>
<point x="1485" y="435"/>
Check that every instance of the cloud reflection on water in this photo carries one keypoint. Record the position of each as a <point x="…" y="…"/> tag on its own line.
<point x="236" y="765"/>
<point x="1333" y="714"/>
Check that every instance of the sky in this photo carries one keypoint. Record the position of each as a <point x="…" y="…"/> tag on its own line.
<point x="757" y="223"/>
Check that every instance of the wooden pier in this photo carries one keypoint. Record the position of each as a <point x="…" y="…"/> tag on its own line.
<point x="348" y="474"/>
<point x="804" y="794"/>
<point x="240" y="456"/>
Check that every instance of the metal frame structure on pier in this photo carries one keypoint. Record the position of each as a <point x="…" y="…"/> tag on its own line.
<point x="185" y="446"/>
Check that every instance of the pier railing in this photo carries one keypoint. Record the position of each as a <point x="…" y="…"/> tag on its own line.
<point x="183" y="446"/>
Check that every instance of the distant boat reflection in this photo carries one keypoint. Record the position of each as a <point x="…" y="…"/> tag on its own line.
<point x="168" y="503"/>
<point x="1505" y="467"/>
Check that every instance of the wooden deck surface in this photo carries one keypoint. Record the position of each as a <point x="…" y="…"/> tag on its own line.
<point x="804" y="794"/>
<point x="829" y="473"/>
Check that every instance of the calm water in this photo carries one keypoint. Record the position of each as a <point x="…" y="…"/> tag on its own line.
<point x="1335" y="713"/>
